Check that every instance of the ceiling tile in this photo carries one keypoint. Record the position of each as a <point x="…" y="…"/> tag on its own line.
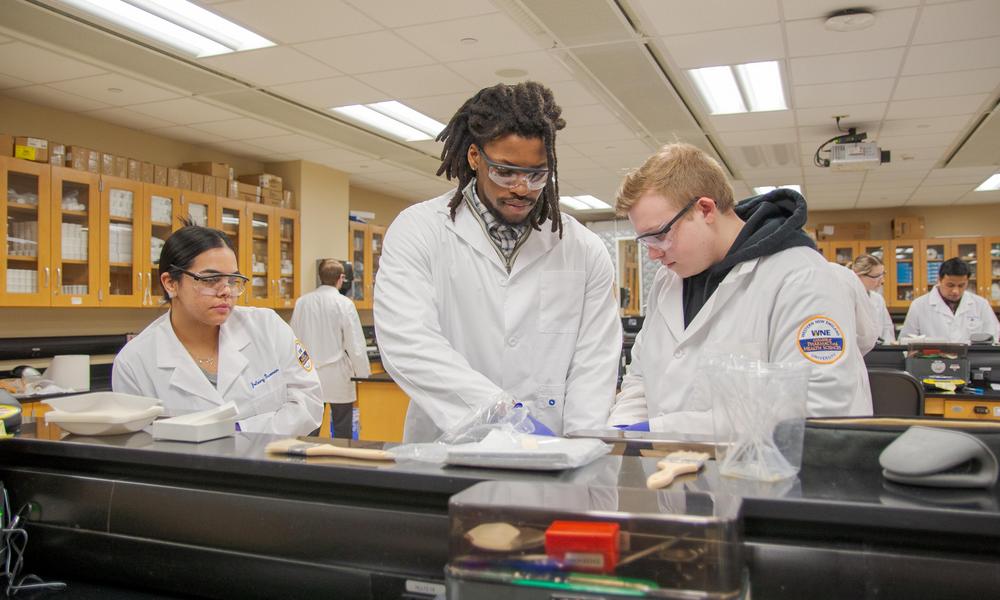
<point x="496" y="35"/>
<point x="9" y="82"/>
<point x="38" y="65"/>
<point x="46" y="96"/>
<point x="442" y="107"/>
<point x="690" y="16"/>
<point x="729" y="47"/>
<point x="938" y="194"/>
<point x="128" y="118"/>
<point x="953" y="56"/>
<point x="270" y="66"/>
<point x="753" y="121"/>
<point x="851" y="66"/>
<point x="5" y="39"/>
<point x="321" y="19"/>
<point x="241" y="149"/>
<point x="186" y="134"/>
<point x="801" y="9"/>
<point x="975" y="175"/>
<point x="846" y="92"/>
<point x="327" y="93"/>
<point x="240" y="129"/>
<point x="101" y="88"/>
<point x="958" y="83"/>
<point x="409" y="82"/>
<point x="935" y="107"/>
<point x="990" y="197"/>
<point x="951" y="124"/>
<point x="537" y="66"/>
<point x="591" y="114"/>
<point x="881" y="200"/>
<point x="286" y="144"/>
<point x="393" y="13"/>
<point x="337" y="156"/>
<point x="857" y="115"/>
<point x="618" y="148"/>
<point x="184" y="111"/>
<point x="374" y="51"/>
<point x="749" y="138"/>
<point x="571" y="93"/>
<point x="811" y="38"/>
<point x="958" y="21"/>
<point x="594" y="133"/>
<point x="429" y="147"/>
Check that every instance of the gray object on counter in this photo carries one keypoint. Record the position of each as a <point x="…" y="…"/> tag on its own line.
<point x="934" y="457"/>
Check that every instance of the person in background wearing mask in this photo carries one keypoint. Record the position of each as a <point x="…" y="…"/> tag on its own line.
<point x="487" y="296"/>
<point x="950" y="312"/>
<point x="732" y="278"/>
<point x="205" y="351"/>
<point x="328" y="324"/>
<point x="871" y="272"/>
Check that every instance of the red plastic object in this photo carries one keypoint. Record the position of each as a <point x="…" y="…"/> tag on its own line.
<point x="583" y="545"/>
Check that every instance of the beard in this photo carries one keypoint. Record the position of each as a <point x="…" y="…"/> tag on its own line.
<point x="493" y="206"/>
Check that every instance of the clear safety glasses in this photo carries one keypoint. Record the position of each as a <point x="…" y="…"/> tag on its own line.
<point x="212" y="284"/>
<point x="659" y="239"/>
<point x="509" y="176"/>
<point x="876" y="276"/>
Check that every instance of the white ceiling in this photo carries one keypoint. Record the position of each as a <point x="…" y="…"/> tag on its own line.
<point x="918" y="81"/>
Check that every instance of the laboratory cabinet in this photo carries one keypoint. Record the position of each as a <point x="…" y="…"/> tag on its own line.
<point x="365" y="252"/>
<point x="75" y="238"/>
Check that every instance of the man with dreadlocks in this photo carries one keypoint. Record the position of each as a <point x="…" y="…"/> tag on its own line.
<point x="487" y="296"/>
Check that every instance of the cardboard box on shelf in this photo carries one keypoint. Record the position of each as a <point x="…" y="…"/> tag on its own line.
<point x="908" y="227"/>
<point x="247" y="189"/>
<point x="160" y="174"/>
<point x="843" y="231"/>
<point x="134" y="170"/>
<point x="107" y="164"/>
<point x="76" y="157"/>
<point x="146" y="171"/>
<point x="183" y="179"/>
<point x="93" y="161"/>
<point x="6" y="144"/>
<point x="232" y="188"/>
<point x="207" y="184"/>
<point x="197" y="182"/>
<point x="30" y="148"/>
<point x="264" y="180"/>
<point x="213" y="169"/>
<point x="287" y="199"/>
<point x="121" y="167"/>
<point x="57" y="154"/>
<point x="250" y="198"/>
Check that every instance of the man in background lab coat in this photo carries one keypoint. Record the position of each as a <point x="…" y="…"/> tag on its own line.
<point x="950" y="312"/>
<point x="328" y="324"/>
<point x="741" y="279"/>
<point x="487" y="295"/>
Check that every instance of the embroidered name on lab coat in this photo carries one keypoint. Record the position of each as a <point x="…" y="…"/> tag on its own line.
<point x="261" y="380"/>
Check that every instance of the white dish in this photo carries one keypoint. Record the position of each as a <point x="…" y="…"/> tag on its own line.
<point x="529" y="452"/>
<point x="102" y="413"/>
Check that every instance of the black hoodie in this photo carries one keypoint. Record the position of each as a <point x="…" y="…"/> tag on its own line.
<point x="773" y="222"/>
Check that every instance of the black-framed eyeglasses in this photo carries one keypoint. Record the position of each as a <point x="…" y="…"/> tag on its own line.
<point x="213" y="283"/>
<point x="509" y="176"/>
<point x="658" y="239"/>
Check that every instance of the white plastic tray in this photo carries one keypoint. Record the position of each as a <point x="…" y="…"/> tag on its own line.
<point x="102" y="413"/>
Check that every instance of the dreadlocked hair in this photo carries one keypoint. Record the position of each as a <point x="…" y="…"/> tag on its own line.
<point x="526" y="109"/>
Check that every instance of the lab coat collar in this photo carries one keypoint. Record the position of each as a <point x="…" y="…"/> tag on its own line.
<point x="538" y="244"/>
<point x="171" y="354"/>
<point x="467" y="227"/>
<point x="672" y="310"/>
<point x="938" y="303"/>
<point x="233" y="338"/>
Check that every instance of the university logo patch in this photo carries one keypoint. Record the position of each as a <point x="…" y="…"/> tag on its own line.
<point x="821" y="340"/>
<point x="303" y="356"/>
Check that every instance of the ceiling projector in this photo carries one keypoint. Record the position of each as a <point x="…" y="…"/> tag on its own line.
<point x="850" y="152"/>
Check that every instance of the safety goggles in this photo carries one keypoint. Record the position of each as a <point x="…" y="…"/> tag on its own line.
<point x="213" y="284"/>
<point x="659" y="239"/>
<point x="870" y="276"/>
<point x="509" y="176"/>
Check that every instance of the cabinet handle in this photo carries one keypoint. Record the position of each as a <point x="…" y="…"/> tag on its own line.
<point x="46" y="277"/>
<point x="58" y="280"/>
<point x="141" y="288"/>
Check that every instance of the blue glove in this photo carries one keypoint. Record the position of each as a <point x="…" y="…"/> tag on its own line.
<point x="641" y="426"/>
<point x="540" y="428"/>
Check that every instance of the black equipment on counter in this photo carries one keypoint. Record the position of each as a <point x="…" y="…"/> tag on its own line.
<point x="43" y="347"/>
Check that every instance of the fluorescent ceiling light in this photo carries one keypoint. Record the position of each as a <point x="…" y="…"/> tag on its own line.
<point x="585" y="202"/>
<point x="770" y="188"/>
<point x="176" y="23"/>
<point x="993" y="183"/>
<point x="393" y="118"/>
<point x="732" y="89"/>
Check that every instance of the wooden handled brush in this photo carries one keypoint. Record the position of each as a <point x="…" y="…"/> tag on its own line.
<point x="299" y="448"/>
<point x="674" y="464"/>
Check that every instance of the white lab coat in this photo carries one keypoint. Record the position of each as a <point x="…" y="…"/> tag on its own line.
<point x="865" y="318"/>
<point x="930" y="316"/>
<point x="454" y="328"/>
<point x="262" y="368"/>
<point x="328" y="325"/>
<point x="761" y="305"/>
<point x="886" y="326"/>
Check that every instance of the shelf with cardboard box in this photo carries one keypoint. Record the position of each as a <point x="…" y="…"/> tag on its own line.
<point x="80" y="238"/>
<point x="365" y="252"/>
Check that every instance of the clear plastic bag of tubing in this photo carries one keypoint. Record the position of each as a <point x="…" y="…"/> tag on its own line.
<point x="500" y="414"/>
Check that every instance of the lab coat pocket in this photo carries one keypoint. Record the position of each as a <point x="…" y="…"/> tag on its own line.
<point x="561" y="301"/>
<point x="973" y="323"/>
<point x="548" y="404"/>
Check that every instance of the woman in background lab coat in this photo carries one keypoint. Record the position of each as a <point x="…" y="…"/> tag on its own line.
<point x="871" y="272"/>
<point x="205" y="351"/>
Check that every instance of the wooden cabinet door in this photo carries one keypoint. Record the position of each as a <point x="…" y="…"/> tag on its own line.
<point x="971" y="250"/>
<point x="285" y="255"/>
<point x="75" y="237"/>
<point x="160" y="205"/>
<point x="261" y="290"/>
<point x="931" y="254"/>
<point x="122" y="280"/>
<point x="376" y="236"/>
<point x="990" y="270"/>
<point x="26" y="276"/>
<point x="197" y="208"/>
<point x="233" y="219"/>
<point x="843" y="252"/>
<point x="901" y="273"/>
<point x="358" y="241"/>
